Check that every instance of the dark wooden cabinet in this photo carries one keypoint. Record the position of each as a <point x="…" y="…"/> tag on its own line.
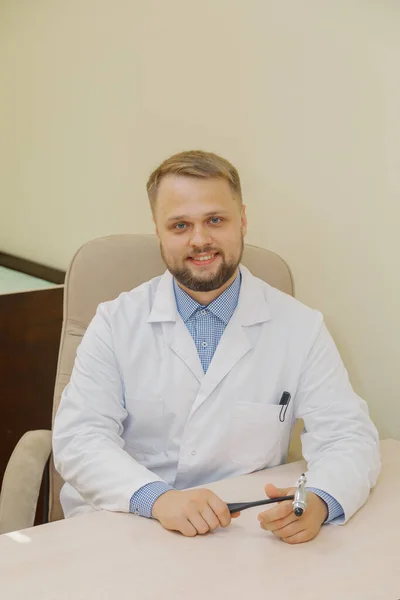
<point x="30" y="330"/>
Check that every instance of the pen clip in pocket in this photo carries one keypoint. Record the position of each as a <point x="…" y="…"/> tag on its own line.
<point x="284" y="403"/>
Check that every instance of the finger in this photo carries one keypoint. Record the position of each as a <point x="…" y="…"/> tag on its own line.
<point x="279" y="523"/>
<point x="274" y="492"/>
<point x="235" y="515"/>
<point x="284" y="509"/>
<point x="198" y="522"/>
<point x="300" y="537"/>
<point x="289" y="530"/>
<point x="186" y="528"/>
<point x="210" y="517"/>
<point x="220" y="509"/>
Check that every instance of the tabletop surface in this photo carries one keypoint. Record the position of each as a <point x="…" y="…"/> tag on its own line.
<point x="113" y="555"/>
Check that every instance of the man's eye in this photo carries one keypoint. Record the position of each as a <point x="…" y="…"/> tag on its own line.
<point x="215" y="220"/>
<point x="180" y="226"/>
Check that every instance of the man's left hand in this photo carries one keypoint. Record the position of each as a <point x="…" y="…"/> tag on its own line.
<point x="282" y="521"/>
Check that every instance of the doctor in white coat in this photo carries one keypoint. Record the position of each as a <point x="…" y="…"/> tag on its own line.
<point x="178" y="382"/>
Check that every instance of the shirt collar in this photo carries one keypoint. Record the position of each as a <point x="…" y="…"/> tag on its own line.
<point x="222" y="307"/>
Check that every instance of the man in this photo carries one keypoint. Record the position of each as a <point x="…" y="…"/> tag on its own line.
<point x="178" y="382"/>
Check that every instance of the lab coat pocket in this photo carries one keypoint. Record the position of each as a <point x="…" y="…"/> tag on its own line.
<point x="258" y="438"/>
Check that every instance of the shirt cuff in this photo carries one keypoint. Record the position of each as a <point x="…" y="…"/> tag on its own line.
<point x="335" y="510"/>
<point x="143" y="499"/>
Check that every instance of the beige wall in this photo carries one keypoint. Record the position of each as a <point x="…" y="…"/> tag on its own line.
<point x="303" y="97"/>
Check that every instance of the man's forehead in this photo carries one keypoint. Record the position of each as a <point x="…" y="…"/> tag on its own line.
<point x="182" y="195"/>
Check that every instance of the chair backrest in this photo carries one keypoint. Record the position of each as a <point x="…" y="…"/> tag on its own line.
<point x="100" y="271"/>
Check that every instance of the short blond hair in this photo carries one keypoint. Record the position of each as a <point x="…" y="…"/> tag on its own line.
<point x="194" y="163"/>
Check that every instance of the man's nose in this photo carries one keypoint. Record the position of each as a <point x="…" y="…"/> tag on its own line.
<point x="200" y="237"/>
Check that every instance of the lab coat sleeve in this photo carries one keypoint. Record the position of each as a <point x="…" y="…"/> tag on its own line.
<point x="87" y="445"/>
<point x="339" y="441"/>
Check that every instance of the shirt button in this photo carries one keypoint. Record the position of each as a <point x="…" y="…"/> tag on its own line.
<point x="203" y="312"/>
<point x="193" y="453"/>
<point x="204" y="344"/>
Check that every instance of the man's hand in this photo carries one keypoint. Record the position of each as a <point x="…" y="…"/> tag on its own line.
<point x="191" y="512"/>
<point x="282" y="521"/>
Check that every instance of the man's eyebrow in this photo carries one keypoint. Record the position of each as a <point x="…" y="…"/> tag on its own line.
<point x="211" y="213"/>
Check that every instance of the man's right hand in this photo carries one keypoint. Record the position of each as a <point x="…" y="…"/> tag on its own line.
<point x="192" y="512"/>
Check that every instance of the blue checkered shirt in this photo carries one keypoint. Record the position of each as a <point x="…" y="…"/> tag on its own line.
<point x="206" y="324"/>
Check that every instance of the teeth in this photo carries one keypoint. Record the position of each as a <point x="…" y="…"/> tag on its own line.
<point x="209" y="257"/>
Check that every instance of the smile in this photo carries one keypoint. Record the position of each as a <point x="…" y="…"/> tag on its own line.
<point x="203" y="260"/>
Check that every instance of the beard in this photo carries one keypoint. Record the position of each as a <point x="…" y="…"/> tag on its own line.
<point x="188" y="279"/>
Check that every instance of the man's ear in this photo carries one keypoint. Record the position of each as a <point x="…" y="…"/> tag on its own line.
<point x="243" y="218"/>
<point x="156" y="228"/>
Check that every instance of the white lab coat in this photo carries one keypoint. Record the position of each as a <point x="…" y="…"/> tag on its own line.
<point x="139" y="408"/>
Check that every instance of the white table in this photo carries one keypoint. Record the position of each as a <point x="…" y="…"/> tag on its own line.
<point x="119" y="556"/>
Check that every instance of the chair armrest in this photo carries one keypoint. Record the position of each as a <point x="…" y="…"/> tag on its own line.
<point x="22" y="480"/>
<point x="295" y="450"/>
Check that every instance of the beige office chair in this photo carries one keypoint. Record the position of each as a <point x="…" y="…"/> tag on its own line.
<point x="99" y="271"/>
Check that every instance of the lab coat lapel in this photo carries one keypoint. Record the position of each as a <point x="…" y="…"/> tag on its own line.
<point x="233" y="345"/>
<point x="181" y="342"/>
<point x="252" y="310"/>
<point x="175" y="332"/>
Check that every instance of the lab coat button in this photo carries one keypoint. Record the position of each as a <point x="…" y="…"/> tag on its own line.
<point x="193" y="452"/>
